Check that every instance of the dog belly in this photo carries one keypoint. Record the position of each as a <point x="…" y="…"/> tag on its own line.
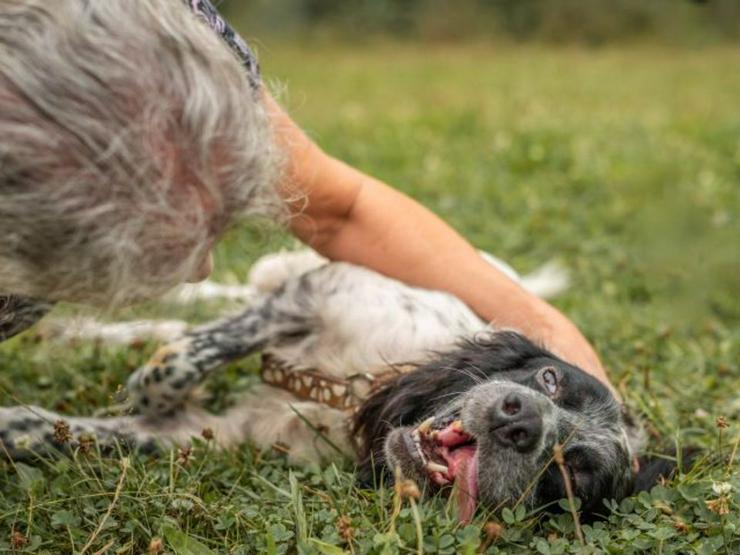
<point x="365" y="322"/>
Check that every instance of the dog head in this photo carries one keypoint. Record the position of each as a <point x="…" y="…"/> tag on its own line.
<point x="486" y="419"/>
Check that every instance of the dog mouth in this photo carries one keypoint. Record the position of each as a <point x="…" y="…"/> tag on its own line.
<point x="447" y="455"/>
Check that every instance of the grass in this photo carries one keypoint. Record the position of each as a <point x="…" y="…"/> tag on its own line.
<point x="624" y="164"/>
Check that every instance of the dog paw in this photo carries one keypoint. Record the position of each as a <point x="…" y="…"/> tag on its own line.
<point x="272" y="270"/>
<point x="165" y="382"/>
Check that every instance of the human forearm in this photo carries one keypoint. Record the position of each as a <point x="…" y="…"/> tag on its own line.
<point x="392" y="234"/>
<point x="347" y="215"/>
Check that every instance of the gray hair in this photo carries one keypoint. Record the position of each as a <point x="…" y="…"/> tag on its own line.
<point x="129" y="139"/>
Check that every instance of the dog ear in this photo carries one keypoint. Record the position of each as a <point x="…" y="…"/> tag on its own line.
<point x="656" y="468"/>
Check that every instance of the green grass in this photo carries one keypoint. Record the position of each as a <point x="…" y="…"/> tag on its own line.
<point x="624" y="164"/>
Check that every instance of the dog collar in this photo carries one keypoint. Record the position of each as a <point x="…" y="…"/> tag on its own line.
<point x="320" y="387"/>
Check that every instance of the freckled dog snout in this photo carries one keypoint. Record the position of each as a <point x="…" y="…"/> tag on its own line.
<point x="516" y="422"/>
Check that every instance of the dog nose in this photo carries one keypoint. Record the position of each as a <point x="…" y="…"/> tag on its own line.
<point x="516" y="422"/>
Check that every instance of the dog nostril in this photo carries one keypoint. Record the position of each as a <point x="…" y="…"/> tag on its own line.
<point x="521" y="436"/>
<point x="516" y="422"/>
<point x="512" y="405"/>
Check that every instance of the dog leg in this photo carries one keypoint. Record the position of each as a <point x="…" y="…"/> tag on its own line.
<point x="112" y="333"/>
<point x="209" y="290"/>
<point x="273" y="270"/>
<point x="165" y="382"/>
<point x="305" y="431"/>
<point x="28" y="431"/>
<point x="272" y="418"/>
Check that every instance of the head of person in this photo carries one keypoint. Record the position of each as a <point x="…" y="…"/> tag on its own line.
<point x="130" y="138"/>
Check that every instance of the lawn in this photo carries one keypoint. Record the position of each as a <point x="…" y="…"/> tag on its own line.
<point x="622" y="163"/>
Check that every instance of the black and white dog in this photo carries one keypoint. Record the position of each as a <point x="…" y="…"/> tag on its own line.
<point x="409" y="381"/>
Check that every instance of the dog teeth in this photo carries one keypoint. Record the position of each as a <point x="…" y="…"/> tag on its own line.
<point x="457" y="426"/>
<point x="416" y="438"/>
<point x="436" y="467"/>
<point x="425" y="426"/>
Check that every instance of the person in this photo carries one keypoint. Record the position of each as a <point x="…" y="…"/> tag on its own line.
<point x="131" y="136"/>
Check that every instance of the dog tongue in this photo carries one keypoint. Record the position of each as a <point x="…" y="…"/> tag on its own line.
<point x="466" y="484"/>
<point x="462" y="463"/>
<point x="452" y="435"/>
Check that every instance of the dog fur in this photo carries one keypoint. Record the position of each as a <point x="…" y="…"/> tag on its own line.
<point x="350" y="322"/>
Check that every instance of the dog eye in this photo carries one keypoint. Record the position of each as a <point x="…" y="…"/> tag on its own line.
<point x="550" y="380"/>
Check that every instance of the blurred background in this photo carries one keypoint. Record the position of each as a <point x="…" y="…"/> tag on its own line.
<point x="589" y="22"/>
<point x="605" y="132"/>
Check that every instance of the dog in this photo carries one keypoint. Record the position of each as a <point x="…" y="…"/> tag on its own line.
<point x="408" y="381"/>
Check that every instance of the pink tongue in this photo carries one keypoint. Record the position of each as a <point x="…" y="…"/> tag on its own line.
<point x="462" y="463"/>
<point x="451" y="436"/>
<point x="466" y="484"/>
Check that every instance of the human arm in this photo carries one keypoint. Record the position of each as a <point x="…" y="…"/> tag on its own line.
<point x="347" y="215"/>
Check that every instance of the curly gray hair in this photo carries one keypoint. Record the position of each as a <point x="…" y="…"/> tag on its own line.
<point x="129" y="139"/>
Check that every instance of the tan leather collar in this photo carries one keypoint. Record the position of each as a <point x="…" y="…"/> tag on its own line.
<point x="314" y="385"/>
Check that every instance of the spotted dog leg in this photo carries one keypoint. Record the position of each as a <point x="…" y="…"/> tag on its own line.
<point x="164" y="383"/>
<point x="29" y="431"/>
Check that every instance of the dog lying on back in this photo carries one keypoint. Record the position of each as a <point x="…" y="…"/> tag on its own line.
<point x="409" y="381"/>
